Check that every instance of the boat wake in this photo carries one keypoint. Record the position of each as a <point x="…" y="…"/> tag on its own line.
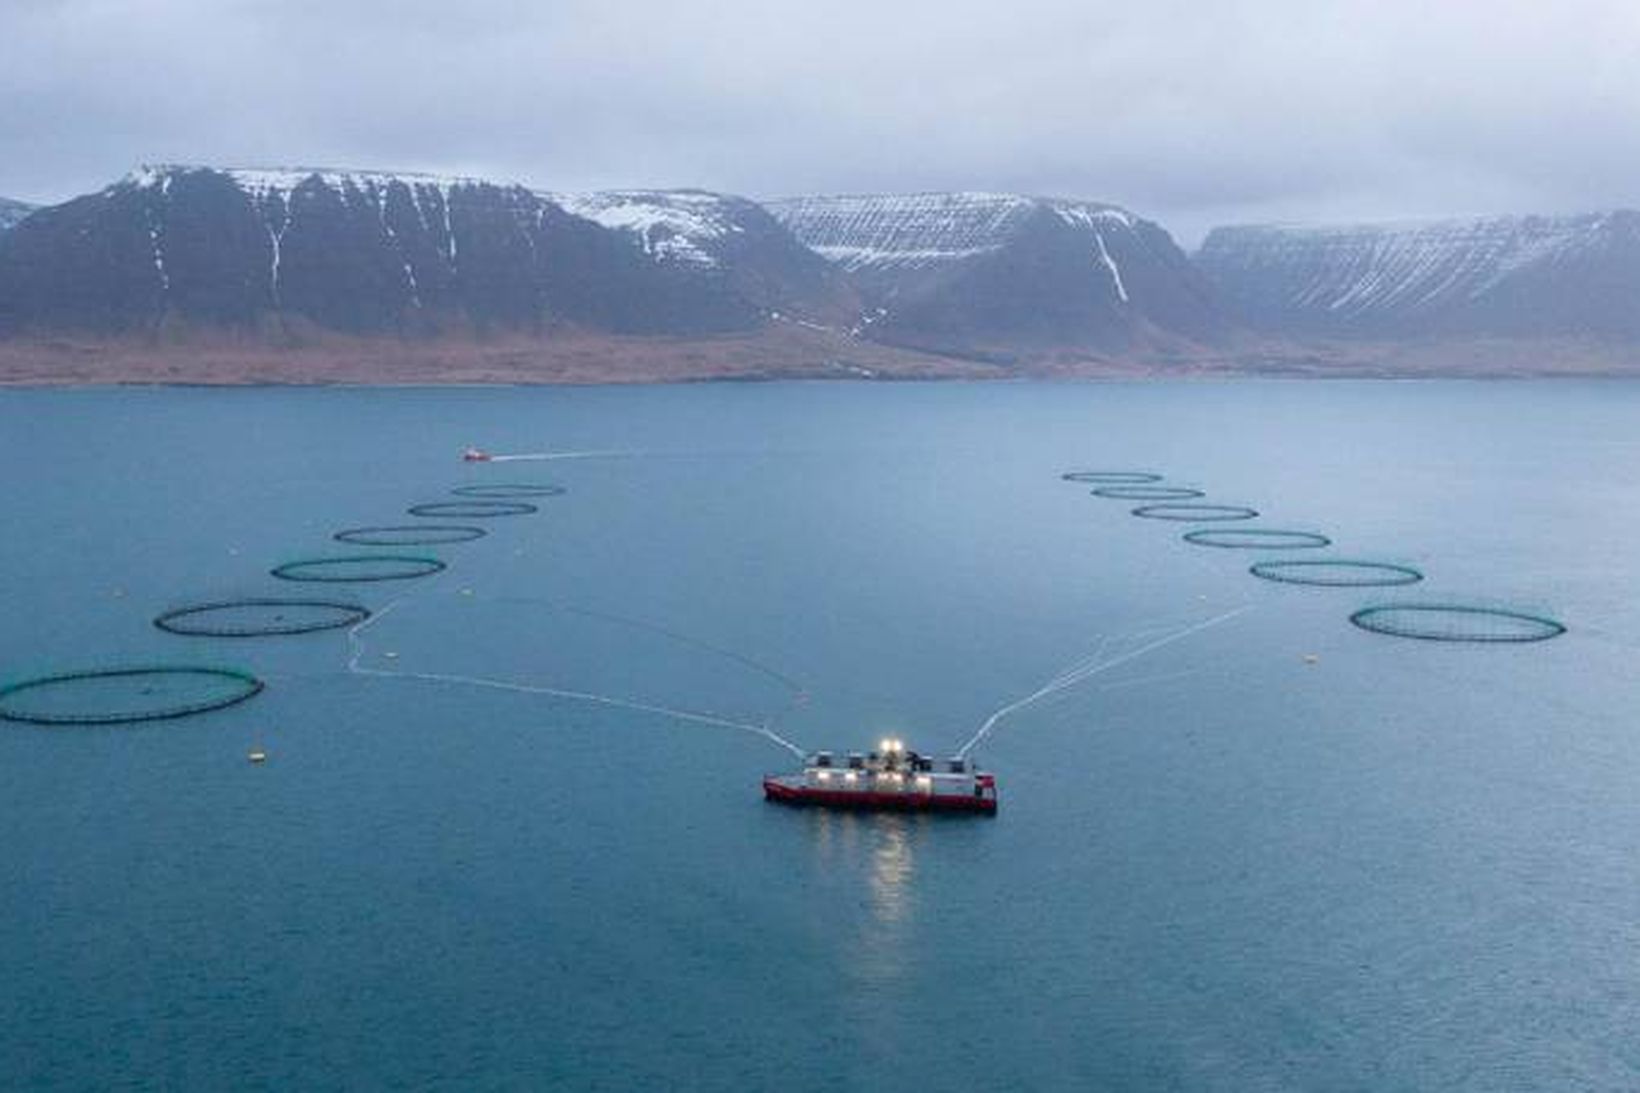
<point x="1079" y="671"/>
<point x="542" y="457"/>
<point x="1112" y="651"/>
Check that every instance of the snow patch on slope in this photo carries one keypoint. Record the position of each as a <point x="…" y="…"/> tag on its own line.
<point x="1110" y="265"/>
<point x="1354" y="272"/>
<point x="12" y="212"/>
<point x="909" y="231"/>
<point x="902" y="232"/>
<point x="263" y="182"/>
<point x="684" y="227"/>
<point x="1082" y="214"/>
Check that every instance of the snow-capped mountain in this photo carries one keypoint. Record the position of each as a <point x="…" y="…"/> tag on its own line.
<point x="725" y="237"/>
<point x="945" y="269"/>
<point x="1503" y="276"/>
<point x="12" y="211"/>
<point x="360" y="252"/>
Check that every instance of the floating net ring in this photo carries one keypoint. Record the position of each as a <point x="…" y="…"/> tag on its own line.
<point x="1148" y="493"/>
<point x="121" y="696"/>
<point x="410" y="535"/>
<point x="473" y="510"/>
<point x="509" y="489"/>
<point x="260" y="618"/>
<point x="1195" y="513"/>
<point x="1256" y="539"/>
<point x="359" y="568"/>
<point x="1112" y="478"/>
<point x="1455" y="622"/>
<point x="1337" y="573"/>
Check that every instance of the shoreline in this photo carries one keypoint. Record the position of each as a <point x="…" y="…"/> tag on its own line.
<point x="773" y="354"/>
<point x="1226" y="376"/>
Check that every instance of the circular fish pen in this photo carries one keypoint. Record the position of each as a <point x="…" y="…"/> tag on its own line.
<point x="358" y="569"/>
<point x="509" y="489"/>
<point x="1112" y="478"/>
<point x="1256" y="539"/>
<point x="124" y="696"/>
<point x="1456" y="622"/>
<point x="472" y="510"/>
<point x="257" y="618"/>
<point x="410" y="535"/>
<point x="1187" y="513"/>
<point x="1147" y="493"/>
<point x="1337" y="573"/>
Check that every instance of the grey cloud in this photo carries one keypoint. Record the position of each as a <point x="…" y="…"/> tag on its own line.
<point x="1189" y="112"/>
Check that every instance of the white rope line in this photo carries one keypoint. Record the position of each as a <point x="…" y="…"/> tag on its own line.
<point x="356" y="645"/>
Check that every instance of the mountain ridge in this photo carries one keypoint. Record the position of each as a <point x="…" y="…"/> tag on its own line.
<point x="357" y="252"/>
<point x="1000" y="270"/>
<point x="725" y="236"/>
<point x="340" y="264"/>
<point x="1571" y="274"/>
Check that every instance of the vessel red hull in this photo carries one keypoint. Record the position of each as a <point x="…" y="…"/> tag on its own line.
<point x="864" y="799"/>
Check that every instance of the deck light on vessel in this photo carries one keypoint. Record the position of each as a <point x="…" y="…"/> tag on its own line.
<point x="851" y="777"/>
<point x="924" y="782"/>
<point x="823" y="775"/>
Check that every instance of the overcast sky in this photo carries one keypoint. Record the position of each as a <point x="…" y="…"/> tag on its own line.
<point x="1192" y="113"/>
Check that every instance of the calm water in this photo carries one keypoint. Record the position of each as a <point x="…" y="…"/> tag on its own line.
<point x="1407" y="866"/>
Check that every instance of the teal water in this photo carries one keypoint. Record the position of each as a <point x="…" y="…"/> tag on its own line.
<point x="1218" y="866"/>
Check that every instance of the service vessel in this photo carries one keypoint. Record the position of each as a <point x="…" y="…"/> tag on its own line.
<point x="892" y="777"/>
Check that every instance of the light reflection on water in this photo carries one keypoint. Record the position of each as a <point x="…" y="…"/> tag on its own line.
<point x="875" y="854"/>
<point x="892" y="871"/>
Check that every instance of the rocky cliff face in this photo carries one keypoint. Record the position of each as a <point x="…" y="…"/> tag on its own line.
<point x="1508" y="276"/>
<point x="952" y="270"/>
<point x="12" y="211"/>
<point x="355" y="252"/>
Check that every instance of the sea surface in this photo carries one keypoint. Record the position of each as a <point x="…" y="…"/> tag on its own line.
<point x="1253" y="848"/>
